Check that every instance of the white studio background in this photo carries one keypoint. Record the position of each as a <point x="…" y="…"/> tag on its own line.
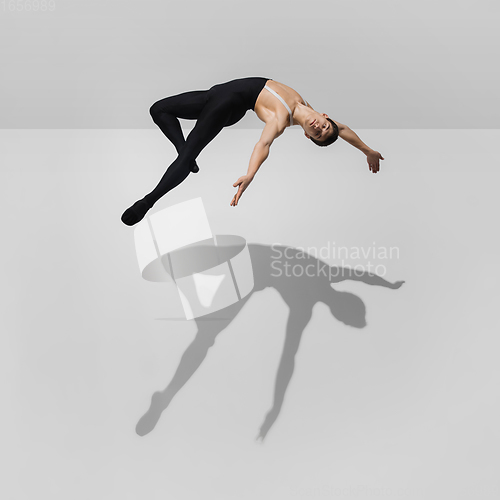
<point x="406" y="407"/>
<point x="370" y="63"/>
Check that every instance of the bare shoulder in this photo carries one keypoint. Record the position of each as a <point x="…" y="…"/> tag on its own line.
<point x="341" y="126"/>
<point x="273" y="129"/>
<point x="266" y="107"/>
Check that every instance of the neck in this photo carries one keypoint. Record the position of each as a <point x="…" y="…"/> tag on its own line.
<point x="300" y="114"/>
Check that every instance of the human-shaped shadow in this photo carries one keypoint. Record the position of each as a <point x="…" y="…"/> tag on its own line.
<point x="300" y="293"/>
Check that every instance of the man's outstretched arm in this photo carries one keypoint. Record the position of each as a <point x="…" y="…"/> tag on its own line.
<point x="259" y="156"/>
<point x="352" y="138"/>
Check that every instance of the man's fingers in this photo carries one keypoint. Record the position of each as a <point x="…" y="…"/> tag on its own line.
<point x="238" y="182"/>
<point x="238" y="195"/>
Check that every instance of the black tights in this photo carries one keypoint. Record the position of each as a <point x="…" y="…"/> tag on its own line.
<point x="221" y="106"/>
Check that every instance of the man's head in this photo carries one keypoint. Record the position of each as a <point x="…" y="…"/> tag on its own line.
<point x="321" y="129"/>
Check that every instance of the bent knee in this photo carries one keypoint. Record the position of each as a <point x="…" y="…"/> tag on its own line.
<point x="156" y="110"/>
<point x="153" y="111"/>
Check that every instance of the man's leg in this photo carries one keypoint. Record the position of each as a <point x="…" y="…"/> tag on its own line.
<point x="211" y="121"/>
<point x="165" y="112"/>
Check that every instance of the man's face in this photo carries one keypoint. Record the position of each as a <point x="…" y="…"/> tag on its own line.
<point x="317" y="126"/>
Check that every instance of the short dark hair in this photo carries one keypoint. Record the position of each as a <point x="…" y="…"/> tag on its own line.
<point x="331" y="138"/>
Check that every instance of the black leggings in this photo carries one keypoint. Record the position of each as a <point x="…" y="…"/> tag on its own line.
<point x="221" y="106"/>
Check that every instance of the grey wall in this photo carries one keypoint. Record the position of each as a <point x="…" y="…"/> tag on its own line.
<point x="370" y="64"/>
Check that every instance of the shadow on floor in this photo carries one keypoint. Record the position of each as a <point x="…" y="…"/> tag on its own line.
<point x="300" y="293"/>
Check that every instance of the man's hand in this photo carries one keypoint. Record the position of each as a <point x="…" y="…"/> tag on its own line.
<point x="373" y="158"/>
<point x="243" y="182"/>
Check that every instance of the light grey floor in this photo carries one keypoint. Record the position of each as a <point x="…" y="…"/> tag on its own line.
<point x="406" y="407"/>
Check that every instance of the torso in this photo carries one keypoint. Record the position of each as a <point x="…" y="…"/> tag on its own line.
<point x="269" y="107"/>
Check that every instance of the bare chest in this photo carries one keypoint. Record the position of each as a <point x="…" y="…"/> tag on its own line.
<point x="268" y="106"/>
